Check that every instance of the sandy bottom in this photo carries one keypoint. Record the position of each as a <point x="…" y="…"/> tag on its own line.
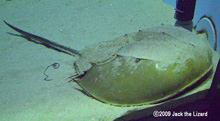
<point x="24" y="95"/>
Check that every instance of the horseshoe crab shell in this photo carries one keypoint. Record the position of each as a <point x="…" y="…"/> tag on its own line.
<point x="159" y="63"/>
<point x="139" y="68"/>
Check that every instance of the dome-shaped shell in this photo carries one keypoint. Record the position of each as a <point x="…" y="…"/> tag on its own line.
<point x="159" y="63"/>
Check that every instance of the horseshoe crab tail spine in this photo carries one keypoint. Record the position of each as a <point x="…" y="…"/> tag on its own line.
<point x="40" y="40"/>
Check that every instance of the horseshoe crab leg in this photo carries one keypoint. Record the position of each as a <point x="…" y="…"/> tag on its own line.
<point x="45" y="42"/>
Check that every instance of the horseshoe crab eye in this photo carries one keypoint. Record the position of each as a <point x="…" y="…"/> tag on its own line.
<point x="137" y="60"/>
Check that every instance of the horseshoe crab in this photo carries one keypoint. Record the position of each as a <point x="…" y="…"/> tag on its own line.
<point x="138" y="68"/>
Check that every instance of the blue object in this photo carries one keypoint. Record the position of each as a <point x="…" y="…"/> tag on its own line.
<point x="206" y="17"/>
